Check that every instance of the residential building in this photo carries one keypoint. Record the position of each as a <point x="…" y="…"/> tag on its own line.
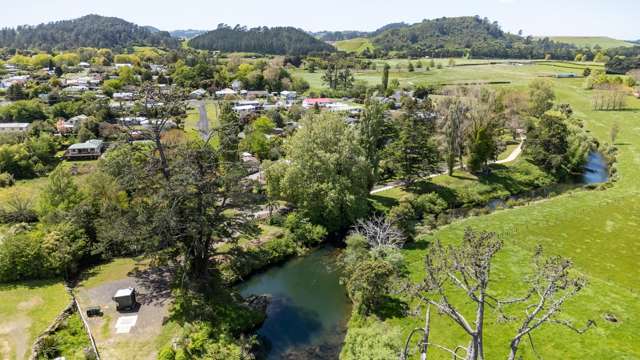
<point x="91" y="149"/>
<point x="13" y="127"/>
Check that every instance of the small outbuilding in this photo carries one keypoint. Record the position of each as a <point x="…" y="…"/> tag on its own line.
<point x="125" y="299"/>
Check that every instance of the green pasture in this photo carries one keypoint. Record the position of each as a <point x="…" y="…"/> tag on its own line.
<point x="597" y="230"/>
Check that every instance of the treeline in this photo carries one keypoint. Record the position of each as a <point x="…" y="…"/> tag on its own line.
<point x="350" y="34"/>
<point x="277" y="40"/>
<point x="87" y="31"/>
<point x="622" y="65"/>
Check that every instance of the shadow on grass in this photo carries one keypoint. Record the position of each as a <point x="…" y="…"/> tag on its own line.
<point x="391" y="308"/>
<point x="29" y="284"/>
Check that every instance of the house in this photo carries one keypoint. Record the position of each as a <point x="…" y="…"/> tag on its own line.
<point x="75" y="89"/>
<point x="250" y="162"/>
<point x="84" y="64"/>
<point x="225" y="92"/>
<point x="118" y="66"/>
<point x="71" y="125"/>
<point x="257" y="94"/>
<point x="13" y="127"/>
<point x="198" y="94"/>
<point x="123" y="96"/>
<point x="289" y="95"/>
<point x="91" y="149"/>
<point x="131" y="120"/>
<point x="320" y="102"/>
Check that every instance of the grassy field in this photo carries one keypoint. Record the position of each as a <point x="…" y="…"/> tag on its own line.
<point x="591" y="41"/>
<point x="26" y="310"/>
<point x="597" y="230"/>
<point x="357" y="45"/>
<point x="465" y="71"/>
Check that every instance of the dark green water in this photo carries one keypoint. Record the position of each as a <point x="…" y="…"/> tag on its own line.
<point x="309" y="309"/>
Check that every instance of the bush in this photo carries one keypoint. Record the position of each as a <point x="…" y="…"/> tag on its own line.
<point x="303" y="232"/>
<point x="429" y="204"/>
<point x="372" y="342"/>
<point x="404" y="217"/>
<point x="6" y="180"/>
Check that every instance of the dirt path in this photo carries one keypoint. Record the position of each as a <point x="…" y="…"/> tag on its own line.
<point x="14" y="335"/>
<point x="392" y="185"/>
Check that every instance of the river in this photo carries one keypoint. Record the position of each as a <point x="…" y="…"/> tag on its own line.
<point x="309" y="309"/>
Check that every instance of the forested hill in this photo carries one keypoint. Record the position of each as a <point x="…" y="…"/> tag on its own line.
<point x="277" y="40"/>
<point x="459" y="36"/>
<point x="87" y="31"/>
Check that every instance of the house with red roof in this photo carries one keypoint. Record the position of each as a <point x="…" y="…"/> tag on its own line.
<point x="321" y="102"/>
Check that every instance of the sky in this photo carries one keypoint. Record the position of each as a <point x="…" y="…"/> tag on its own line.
<point x="614" y="18"/>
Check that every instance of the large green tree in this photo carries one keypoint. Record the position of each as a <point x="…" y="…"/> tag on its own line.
<point x="414" y="153"/>
<point x="326" y="174"/>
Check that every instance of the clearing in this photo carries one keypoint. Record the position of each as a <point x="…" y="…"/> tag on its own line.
<point x="149" y="330"/>
<point x="26" y="310"/>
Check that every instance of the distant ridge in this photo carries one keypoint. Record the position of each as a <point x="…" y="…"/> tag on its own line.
<point x="88" y="31"/>
<point x="277" y="40"/>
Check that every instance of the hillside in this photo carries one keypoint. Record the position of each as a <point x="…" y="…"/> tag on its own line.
<point x="356" y="45"/>
<point x="469" y="35"/>
<point x="591" y="41"/>
<point x="87" y="31"/>
<point x="277" y="40"/>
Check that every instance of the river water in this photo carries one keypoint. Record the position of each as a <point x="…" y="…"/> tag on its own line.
<point x="309" y="309"/>
<point x="596" y="170"/>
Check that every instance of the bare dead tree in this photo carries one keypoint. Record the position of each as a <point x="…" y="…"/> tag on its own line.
<point x="161" y="107"/>
<point x="467" y="268"/>
<point x="551" y="286"/>
<point x="380" y="232"/>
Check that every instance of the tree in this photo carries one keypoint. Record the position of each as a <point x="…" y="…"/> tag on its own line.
<point x="228" y="132"/>
<point x="484" y="130"/>
<point x="385" y="77"/>
<point x="325" y="174"/>
<point x="330" y="77"/>
<point x="60" y="196"/>
<point x="414" y="152"/>
<point x="452" y="121"/>
<point x="255" y="140"/>
<point x="547" y="144"/>
<point x="164" y="107"/>
<point x="371" y="131"/>
<point x="541" y="97"/>
<point x="379" y="232"/>
<point x="613" y="133"/>
<point x="16" y="92"/>
<point x="586" y="72"/>
<point x="410" y="67"/>
<point x="466" y="270"/>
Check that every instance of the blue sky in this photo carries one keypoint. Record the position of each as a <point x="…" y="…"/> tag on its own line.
<point x="615" y="18"/>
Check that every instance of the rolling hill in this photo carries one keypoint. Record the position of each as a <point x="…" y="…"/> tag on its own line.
<point x="466" y="35"/>
<point x="591" y="41"/>
<point x="355" y="45"/>
<point x="87" y="31"/>
<point x="277" y="41"/>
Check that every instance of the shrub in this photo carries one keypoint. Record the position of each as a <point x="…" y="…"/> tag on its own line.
<point x="371" y="341"/>
<point x="6" y="180"/>
<point x="429" y="204"/>
<point x="302" y="231"/>
<point x="404" y="217"/>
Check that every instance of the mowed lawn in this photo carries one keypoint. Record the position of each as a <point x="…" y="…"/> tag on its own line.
<point x="597" y="230"/>
<point x="26" y="310"/>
